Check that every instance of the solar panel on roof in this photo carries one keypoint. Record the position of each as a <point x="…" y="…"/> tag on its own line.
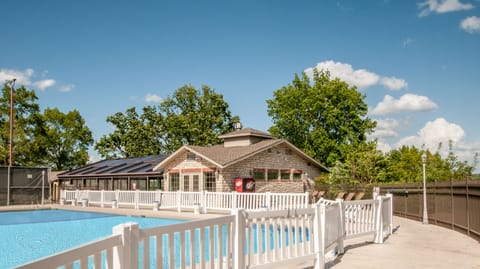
<point x="115" y="166"/>
<point x="146" y="167"/>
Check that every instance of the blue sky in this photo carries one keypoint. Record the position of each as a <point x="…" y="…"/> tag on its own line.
<point x="418" y="62"/>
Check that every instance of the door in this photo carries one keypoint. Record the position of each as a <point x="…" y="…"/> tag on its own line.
<point x="191" y="182"/>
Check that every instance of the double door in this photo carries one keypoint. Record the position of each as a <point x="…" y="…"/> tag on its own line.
<point x="191" y="182"/>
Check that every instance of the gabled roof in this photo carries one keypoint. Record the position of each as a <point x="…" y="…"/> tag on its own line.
<point x="247" y="132"/>
<point x="223" y="157"/>
<point x="116" y="167"/>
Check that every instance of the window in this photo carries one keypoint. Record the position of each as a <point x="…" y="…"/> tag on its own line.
<point x="186" y="181"/>
<point x="196" y="183"/>
<point x="156" y="184"/>
<point x="209" y="181"/>
<point x="103" y="183"/>
<point x="297" y="174"/>
<point x="285" y="174"/>
<point x="138" y="184"/>
<point x="258" y="173"/>
<point x="174" y="182"/>
<point x="272" y="174"/>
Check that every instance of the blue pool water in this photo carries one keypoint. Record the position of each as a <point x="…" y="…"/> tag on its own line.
<point x="29" y="235"/>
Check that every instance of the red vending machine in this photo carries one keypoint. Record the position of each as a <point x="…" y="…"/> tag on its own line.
<point x="244" y="184"/>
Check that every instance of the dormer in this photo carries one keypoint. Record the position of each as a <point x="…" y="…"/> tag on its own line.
<point x="244" y="137"/>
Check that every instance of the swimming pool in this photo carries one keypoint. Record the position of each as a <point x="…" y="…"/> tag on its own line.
<point x="29" y="235"/>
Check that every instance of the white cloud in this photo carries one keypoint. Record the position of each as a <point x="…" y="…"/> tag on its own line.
<point x="361" y="78"/>
<point x="152" y="98"/>
<point x="24" y="78"/>
<point x="386" y="128"/>
<point x="379" y="133"/>
<point x="431" y="135"/>
<point x="407" y="42"/>
<point x="67" y="88"/>
<point x="394" y="83"/>
<point x="407" y="102"/>
<point x="43" y="84"/>
<point x="434" y="133"/>
<point x="442" y="6"/>
<point x="471" y="24"/>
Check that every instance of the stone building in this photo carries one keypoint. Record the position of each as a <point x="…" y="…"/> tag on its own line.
<point x="275" y="165"/>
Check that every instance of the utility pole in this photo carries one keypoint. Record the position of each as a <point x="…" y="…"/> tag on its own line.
<point x="10" y="159"/>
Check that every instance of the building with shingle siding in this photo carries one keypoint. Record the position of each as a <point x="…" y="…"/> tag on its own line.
<point x="275" y="164"/>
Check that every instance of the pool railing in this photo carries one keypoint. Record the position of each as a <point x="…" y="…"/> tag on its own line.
<point x="303" y="237"/>
<point x="186" y="200"/>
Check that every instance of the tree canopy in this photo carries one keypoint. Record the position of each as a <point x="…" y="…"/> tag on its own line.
<point x="26" y="118"/>
<point x="52" y="138"/>
<point x="134" y="135"/>
<point x="367" y="165"/>
<point x="189" y="116"/>
<point x="63" y="139"/>
<point x="323" y="117"/>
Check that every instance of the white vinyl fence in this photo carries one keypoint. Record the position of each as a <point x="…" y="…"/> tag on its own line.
<point x="187" y="200"/>
<point x="245" y="239"/>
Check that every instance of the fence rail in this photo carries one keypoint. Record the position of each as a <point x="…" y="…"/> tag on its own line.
<point x="453" y="204"/>
<point x="187" y="200"/>
<point x="245" y="239"/>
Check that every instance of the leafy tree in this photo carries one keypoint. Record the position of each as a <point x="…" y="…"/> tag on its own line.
<point x="195" y="117"/>
<point x="405" y="165"/>
<point x="366" y="164"/>
<point x="53" y="138"/>
<point x="25" y="121"/>
<point x="323" y="117"/>
<point x="135" y="135"/>
<point x="189" y="116"/>
<point x="63" y="139"/>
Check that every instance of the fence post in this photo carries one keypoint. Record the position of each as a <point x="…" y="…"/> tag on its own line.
<point x="307" y="199"/>
<point x="125" y="256"/>
<point x="268" y="199"/>
<point x="178" y="201"/>
<point x="340" y="245"/>
<point x="319" y="236"/>
<point x="375" y="193"/>
<point x="137" y="198"/>
<point x="390" y="213"/>
<point x="158" y="195"/>
<point x="378" y="221"/>
<point x="102" y="197"/>
<point x="239" y="240"/>
<point x="203" y="202"/>
<point x="234" y="201"/>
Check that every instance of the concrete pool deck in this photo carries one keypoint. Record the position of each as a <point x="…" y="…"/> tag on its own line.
<point x="412" y="245"/>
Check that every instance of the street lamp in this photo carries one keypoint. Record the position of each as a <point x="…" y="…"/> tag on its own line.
<point x="425" y="214"/>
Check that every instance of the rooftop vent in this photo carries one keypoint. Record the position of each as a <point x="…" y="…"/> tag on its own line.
<point x="238" y="126"/>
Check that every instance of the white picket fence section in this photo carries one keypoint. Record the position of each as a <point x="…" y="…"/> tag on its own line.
<point x="187" y="200"/>
<point x="245" y="239"/>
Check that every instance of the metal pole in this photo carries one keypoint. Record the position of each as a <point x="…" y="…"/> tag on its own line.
<point x="43" y="186"/>
<point x="425" y="214"/>
<point x="10" y="159"/>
